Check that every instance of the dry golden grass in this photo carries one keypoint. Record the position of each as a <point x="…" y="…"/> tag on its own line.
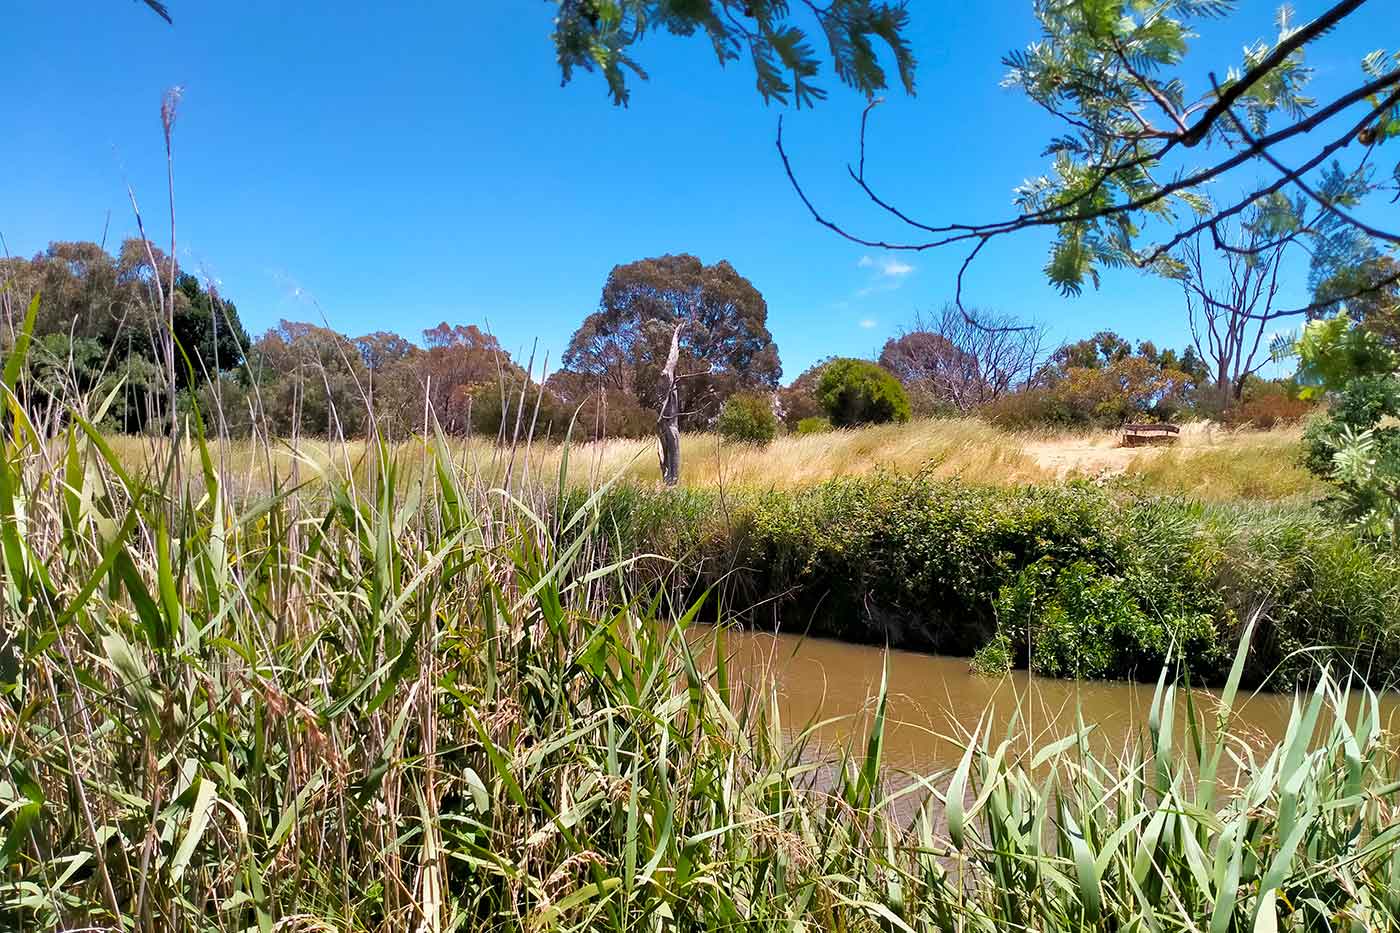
<point x="1216" y="464"/>
<point x="963" y="448"/>
<point x="1209" y="463"/>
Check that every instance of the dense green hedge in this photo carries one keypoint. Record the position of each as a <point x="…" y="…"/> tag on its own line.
<point x="1072" y="580"/>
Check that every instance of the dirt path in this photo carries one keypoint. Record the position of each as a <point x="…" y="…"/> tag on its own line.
<point x="1083" y="456"/>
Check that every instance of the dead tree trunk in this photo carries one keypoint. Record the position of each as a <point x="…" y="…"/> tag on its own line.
<point x="667" y="423"/>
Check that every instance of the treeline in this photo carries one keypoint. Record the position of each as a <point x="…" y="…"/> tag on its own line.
<point x="99" y="336"/>
<point x="99" y="330"/>
<point x="99" y="333"/>
<point x="993" y="366"/>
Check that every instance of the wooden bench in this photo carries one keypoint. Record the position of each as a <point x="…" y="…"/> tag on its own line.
<point x="1138" y="435"/>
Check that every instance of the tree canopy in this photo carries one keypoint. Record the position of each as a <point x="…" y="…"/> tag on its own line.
<point x="601" y="35"/>
<point x="97" y="328"/>
<point x="725" y="346"/>
<point x="962" y="360"/>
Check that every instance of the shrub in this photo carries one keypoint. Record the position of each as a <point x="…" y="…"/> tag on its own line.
<point x="1267" y="409"/>
<point x="996" y="658"/>
<point x="1029" y="408"/>
<point x="1083" y="623"/>
<point x="860" y="392"/>
<point x="1357" y="445"/>
<point x="747" y="417"/>
<point x="814" y="425"/>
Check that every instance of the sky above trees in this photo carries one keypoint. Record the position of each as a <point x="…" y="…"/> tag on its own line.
<point x="390" y="170"/>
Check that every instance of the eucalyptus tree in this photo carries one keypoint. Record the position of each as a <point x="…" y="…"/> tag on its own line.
<point x="723" y="345"/>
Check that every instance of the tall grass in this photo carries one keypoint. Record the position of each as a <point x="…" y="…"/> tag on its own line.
<point x="1210" y="465"/>
<point x="377" y="703"/>
<point x="1222" y="465"/>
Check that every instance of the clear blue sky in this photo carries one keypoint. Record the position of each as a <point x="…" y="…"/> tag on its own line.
<point x="390" y="166"/>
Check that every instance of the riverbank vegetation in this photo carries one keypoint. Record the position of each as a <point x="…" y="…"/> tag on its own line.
<point x="1071" y="580"/>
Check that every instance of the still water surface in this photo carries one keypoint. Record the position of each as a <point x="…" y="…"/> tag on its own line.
<point x="935" y="700"/>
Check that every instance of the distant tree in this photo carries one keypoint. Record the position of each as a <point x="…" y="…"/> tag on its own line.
<point x="1124" y="390"/>
<point x="747" y="417"/>
<point x="961" y="361"/>
<point x="500" y="410"/>
<point x="725" y="346"/>
<point x="1102" y="380"/>
<point x="597" y="409"/>
<point x="855" y="392"/>
<point x="311" y="379"/>
<point x="798" y="401"/>
<point x="207" y="328"/>
<point x="1266" y="403"/>
<point x="97" y="324"/>
<point x="460" y="361"/>
<point x="395" y="381"/>
<point x="383" y="349"/>
<point x="1102" y="349"/>
<point x="1231" y="278"/>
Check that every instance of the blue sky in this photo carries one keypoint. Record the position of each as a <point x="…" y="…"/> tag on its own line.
<point x="389" y="166"/>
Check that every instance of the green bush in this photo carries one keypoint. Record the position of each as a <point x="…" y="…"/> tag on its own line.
<point x="747" y="417"/>
<point x="1356" y="445"/>
<point x="860" y="392"/>
<point x="996" y="658"/>
<point x="813" y="426"/>
<point x="1081" y="622"/>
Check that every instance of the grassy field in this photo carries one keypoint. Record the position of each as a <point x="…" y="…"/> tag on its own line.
<point x="1210" y="464"/>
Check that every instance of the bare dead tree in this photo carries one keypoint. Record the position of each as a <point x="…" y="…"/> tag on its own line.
<point x="964" y="358"/>
<point x="667" y="423"/>
<point x="1231" y="282"/>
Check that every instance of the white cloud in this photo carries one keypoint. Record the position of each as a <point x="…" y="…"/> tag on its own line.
<point x="889" y="266"/>
<point x="889" y="274"/>
<point x="868" y="323"/>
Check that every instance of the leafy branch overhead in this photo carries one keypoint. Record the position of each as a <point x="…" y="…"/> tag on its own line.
<point x="599" y="35"/>
<point x="1148" y="148"/>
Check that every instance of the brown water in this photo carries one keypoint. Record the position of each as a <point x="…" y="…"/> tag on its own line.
<point x="936" y="701"/>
